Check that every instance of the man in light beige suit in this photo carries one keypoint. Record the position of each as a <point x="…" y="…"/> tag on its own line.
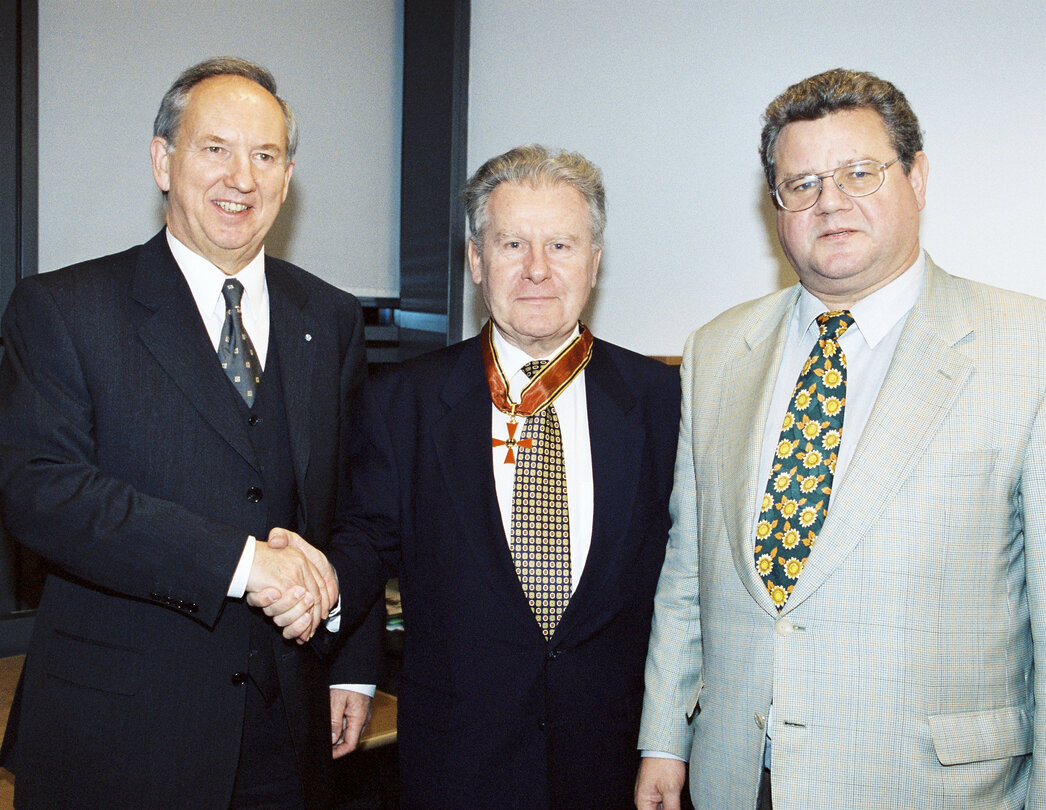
<point x="890" y="661"/>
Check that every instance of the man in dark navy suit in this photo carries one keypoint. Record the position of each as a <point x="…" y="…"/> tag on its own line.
<point x="518" y="483"/>
<point x="161" y="410"/>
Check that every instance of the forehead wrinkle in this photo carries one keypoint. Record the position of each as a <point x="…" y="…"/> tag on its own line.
<point x="564" y="236"/>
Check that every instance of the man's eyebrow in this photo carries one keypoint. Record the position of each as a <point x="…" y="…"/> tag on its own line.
<point x="211" y="138"/>
<point x="810" y="172"/>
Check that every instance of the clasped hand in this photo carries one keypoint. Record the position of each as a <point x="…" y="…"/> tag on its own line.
<point x="293" y="584"/>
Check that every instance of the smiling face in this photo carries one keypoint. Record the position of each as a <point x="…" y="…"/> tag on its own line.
<point x="537" y="264"/>
<point x="844" y="248"/>
<point x="227" y="175"/>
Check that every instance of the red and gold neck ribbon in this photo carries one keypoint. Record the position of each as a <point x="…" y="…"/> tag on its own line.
<point x="549" y="382"/>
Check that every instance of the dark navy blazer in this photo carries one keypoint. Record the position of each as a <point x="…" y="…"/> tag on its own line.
<point x="127" y="466"/>
<point x="491" y="715"/>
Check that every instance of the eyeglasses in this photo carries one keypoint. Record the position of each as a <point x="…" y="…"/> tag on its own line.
<point x="854" y="179"/>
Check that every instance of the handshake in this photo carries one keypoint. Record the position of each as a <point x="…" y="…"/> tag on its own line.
<point x="293" y="583"/>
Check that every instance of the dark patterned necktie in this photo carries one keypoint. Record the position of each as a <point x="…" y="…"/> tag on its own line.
<point x="235" y="349"/>
<point x="540" y="530"/>
<point x="800" y="483"/>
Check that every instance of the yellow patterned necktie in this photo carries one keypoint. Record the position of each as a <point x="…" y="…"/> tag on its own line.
<point x="235" y="350"/>
<point x="540" y="530"/>
<point x="800" y="484"/>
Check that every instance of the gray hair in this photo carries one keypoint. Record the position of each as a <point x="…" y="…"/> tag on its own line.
<point x="169" y="118"/>
<point x="834" y="91"/>
<point x="534" y="164"/>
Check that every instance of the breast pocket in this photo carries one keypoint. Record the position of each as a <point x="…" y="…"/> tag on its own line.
<point x="955" y="488"/>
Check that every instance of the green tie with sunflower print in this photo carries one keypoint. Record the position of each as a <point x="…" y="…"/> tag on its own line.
<point x="800" y="483"/>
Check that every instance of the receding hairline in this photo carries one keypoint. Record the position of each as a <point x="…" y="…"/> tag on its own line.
<point x="168" y="120"/>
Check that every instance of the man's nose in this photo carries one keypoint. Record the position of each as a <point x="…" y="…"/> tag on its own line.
<point x="240" y="175"/>
<point x="831" y="197"/>
<point x="537" y="268"/>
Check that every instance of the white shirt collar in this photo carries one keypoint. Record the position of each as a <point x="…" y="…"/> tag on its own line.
<point x="876" y="314"/>
<point x="205" y="279"/>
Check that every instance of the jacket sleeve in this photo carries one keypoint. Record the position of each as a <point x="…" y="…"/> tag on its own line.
<point x="365" y="546"/>
<point x="673" y="667"/>
<point x="1033" y="509"/>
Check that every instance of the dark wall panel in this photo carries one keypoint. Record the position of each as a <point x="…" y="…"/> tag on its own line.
<point x="435" y="124"/>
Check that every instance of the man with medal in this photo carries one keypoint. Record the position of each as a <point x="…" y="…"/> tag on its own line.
<point x="517" y="484"/>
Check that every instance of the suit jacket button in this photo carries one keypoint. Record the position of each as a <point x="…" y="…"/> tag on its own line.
<point x="254" y="494"/>
<point x="783" y="627"/>
<point x="239" y="678"/>
<point x="760" y="721"/>
<point x="253" y="419"/>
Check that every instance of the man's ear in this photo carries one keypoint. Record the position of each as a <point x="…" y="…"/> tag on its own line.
<point x="161" y="159"/>
<point x="475" y="258"/>
<point x="918" y="175"/>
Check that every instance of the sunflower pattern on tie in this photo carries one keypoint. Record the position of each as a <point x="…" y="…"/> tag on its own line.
<point x="235" y="350"/>
<point x="540" y="530"/>
<point x="800" y="483"/>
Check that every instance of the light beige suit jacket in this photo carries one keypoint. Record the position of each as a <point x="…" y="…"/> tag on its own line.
<point x="902" y="667"/>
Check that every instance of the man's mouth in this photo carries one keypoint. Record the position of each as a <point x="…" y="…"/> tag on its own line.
<point x="231" y="207"/>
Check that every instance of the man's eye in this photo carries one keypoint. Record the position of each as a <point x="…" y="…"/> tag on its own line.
<point x="559" y="246"/>
<point x="803" y="184"/>
<point x="265" y="158"/>
<point x="513" y="245"/>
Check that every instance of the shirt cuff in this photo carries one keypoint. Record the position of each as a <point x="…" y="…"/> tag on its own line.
<point x="238" y="586"/>
<point x="334" y="617"/>
<point x="367" y="689"/>
<point x="661" y="755"/>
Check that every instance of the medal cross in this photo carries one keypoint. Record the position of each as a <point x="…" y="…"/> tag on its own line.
<point x="511" y="443"/>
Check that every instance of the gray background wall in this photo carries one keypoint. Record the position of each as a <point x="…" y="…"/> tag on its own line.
<point x="665" y="96"/>
<point x="105" y="64"/>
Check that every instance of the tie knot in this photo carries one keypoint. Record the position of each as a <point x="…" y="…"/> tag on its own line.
<point x="533" y="367"/>
<point x="833" y="324"/>
<point x="233" y="292"/>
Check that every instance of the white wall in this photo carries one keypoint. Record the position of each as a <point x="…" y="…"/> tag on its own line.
<point x="105" y="64"/>
<point x="666" y="97"/>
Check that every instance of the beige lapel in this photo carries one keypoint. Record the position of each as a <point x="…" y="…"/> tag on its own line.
<point x="926" y="376"/>
<point x="743" y="406"/>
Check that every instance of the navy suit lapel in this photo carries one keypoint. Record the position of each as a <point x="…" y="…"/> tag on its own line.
<point x="462" y="439"/>
<point x="296" y="336"/>
<point x="617" y="448"/>
<point x="174" y="334"/>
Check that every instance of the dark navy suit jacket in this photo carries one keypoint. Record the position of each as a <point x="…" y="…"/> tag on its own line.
<point x="125" y="463"/>
<point x="491" y="715"/>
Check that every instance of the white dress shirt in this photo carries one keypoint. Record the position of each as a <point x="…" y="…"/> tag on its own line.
<point x="572" y="412"/>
